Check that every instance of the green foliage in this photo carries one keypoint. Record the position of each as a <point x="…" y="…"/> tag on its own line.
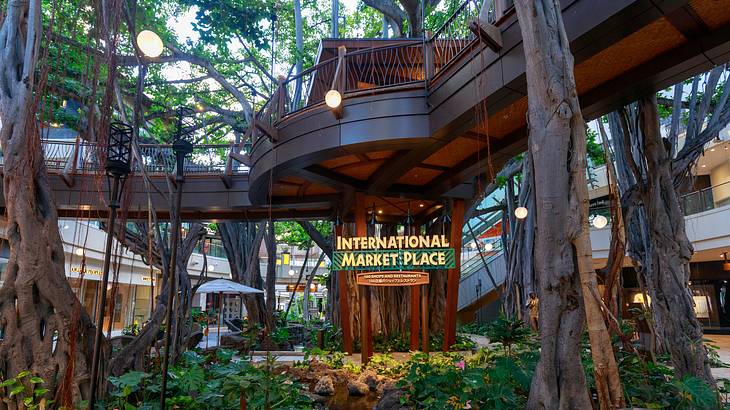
<point x="447" y="381"/>
<point x="508" y="332"/>
<point x="333" y="359"/>
<point x="401" y="342"/>
<point x="384" y="365"/>
<point x="292" y="234"/>
<point x="27" y="387"/>
<point x="212" y="382"/>
<point x="594" y="149"/>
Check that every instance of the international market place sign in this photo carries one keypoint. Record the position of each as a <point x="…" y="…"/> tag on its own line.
<point x="393" y="260"/>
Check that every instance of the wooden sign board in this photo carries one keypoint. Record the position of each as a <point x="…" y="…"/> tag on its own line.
<point x="392" y="278"/>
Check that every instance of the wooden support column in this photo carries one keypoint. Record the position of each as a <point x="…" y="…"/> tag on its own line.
<point x="424" y="318"/>
<point x="361" y="229"/>
<point x="452" y="281"/>
<point x="415" y="311"/>
<point x="415" y="315"/>
<point x="344" y="304"/>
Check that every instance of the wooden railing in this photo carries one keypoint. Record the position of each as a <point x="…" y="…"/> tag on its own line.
<point x="370" y="69"/>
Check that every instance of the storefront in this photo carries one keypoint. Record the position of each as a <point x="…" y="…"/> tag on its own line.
<point x="709" y="285"/>
<point x="130" y="301"/>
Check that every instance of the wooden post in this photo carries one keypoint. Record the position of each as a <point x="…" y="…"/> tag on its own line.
<point x="344" y="304"/>
<point x="220" y="316"/>
<point x="415" y="303"/>
<point x="424" y="317"/>
<point x="415" y="312"/>
<point x="365" y="326"/>
<point x="452" y="281"/>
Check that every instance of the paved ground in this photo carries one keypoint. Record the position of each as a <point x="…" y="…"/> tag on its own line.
<point x="723" y="342"/>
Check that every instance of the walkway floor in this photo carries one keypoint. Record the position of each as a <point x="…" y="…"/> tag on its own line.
<point x="723" y="342"/>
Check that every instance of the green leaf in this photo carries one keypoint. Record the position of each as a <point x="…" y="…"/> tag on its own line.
<point x="7" y="383"/>
<point x="36" y="380"/>
<point x="17" y="390"/>
<point x="22" y="374"/>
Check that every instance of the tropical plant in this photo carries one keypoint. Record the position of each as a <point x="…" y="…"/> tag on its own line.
<point x="26" y="386"/>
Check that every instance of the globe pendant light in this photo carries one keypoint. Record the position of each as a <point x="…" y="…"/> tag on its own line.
<point x="150" y="43"/>
<point x="521" y="212"/>
<point x="600" y="221"/>
<point x="333" y="98"/>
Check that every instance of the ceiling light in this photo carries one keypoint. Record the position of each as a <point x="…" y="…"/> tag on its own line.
<point x="473" y="245"/>
<point x="712" y="150"/>
<point x="600" y="221"/>
<point x="421" y="205"/>
<point x="333" y="98"/>
<point x="80" y="251"/>
<point x="521" y="212"/>
<point x="704" y="166"/>
<point x="65" y="226"/>
<point x="380" y="211"/>
<point x="150" y="43"/>
<point x="488" y="246"/>
<point x="291" y="272"/>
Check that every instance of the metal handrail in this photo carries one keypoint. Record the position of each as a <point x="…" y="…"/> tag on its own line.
<point x="158" y="158"/>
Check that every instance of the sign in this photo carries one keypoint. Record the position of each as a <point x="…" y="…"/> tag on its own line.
<point x="393" y="253"/>
<point x="399" y="278"/>
<point x="86" y="271"/>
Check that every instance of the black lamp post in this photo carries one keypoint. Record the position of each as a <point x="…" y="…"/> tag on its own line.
<point x="182" y="148"/>
<point x="117" y="168"/>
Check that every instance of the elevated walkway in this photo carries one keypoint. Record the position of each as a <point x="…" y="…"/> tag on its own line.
<point x="421" y="120"/>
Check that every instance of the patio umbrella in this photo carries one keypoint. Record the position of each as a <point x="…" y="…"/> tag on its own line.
<point x="221" y="287"/>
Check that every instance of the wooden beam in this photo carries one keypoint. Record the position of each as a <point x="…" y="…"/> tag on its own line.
<point x="487" y="33"/>
<point x="365" y="325"/>
<point x="415" y="303"/>
<point x="425" y="338"/>
<point x="452" y="281"/>
<point x="344" y="304"/>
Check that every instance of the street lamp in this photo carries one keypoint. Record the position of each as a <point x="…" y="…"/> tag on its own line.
<point x="333" y="98"/>
<point x="182" y="148"/>
<point x="117" y="167"/>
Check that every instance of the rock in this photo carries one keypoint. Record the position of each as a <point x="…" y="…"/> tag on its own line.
<point x="316" y="398"/>
<point x="370" y="378"/>
<point x="384" y="386"/>
<point x="357" y="388"/>
<point x="325" y="386"/>
<point x="390" y="400"/>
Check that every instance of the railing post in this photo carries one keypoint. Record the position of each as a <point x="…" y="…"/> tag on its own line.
<point x="281" y="98"/>
<point x="429" y="57"/>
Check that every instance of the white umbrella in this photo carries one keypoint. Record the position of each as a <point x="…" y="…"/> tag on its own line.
<point x="224" y="286"/>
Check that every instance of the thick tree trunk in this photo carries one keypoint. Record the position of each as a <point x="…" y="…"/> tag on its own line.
<point x="45" y="329"/>
<point x="668" y="272"/>
<point x="563" y="257"/>
<point x="242" y="242"/>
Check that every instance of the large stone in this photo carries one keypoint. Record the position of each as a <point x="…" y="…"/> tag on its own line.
<point x="316" y="398"/>
<point x="324" y="386"/>
<point x="390" y="400"/>
<point x="370" y="378"/>
<point x="357" y="388"/>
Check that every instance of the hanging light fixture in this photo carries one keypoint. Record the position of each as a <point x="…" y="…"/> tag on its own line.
<point x="600" y="221"/>
<point x="473" y="245"/>
<point x="291" y="272"/>
<point x="80" y="251"/>
<point x="150" y="43"/>
<point x="488" y="246"/>
<point x="521" y="212"/>
<point x="333" y="98"/>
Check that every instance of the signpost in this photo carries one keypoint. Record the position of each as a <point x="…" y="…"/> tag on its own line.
<point x="402" y="260"/>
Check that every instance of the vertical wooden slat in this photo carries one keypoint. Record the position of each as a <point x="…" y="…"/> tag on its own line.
<point x="415" y="303"/>
<point x="344" y="304"/>
<point x="365" y="326"/>
<point x="452" y="284"/>
<point x="415" y="315"/>
<point x="424" y="318"/>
